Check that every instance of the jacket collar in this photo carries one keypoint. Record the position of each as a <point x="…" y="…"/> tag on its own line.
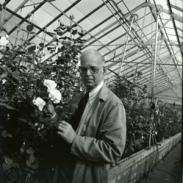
<point x="95" y="91"/>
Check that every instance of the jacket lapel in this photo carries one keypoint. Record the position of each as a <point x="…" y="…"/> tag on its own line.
<point x="102" y="95"/>
<point x="87" y="115"/>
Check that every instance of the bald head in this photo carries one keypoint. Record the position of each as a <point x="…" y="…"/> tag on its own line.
<point x="92" y="68"/>
<point x="93" y="57"/>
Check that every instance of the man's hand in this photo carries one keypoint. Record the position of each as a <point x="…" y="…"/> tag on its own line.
<point x="66" y="131"/>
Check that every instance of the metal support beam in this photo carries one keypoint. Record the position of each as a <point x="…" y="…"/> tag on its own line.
<point x="132" y="20"/>
<point x="55" y="18"/>
<point x="155" y="58"/>
<point x="96" y="26"/>
<point x="118" y="60"/>
<point x="175" y="28"/>
<point x="111" y="16"/>
<point x="127" y="14"/>
<point x="159" y="80"/>
<point x="131" y="71"/>
<point x="29" y="15"/>
<point x="5" y="3"/>
<point x="134" y="33"/>
<point x="163" y="90"/>
<point x="15" y="11"/>
<point x="170" y="97"/>
<point x="177" y="8"/>
<point x="109" y="31"/>
<point x="101" y="31"/>
<point x="167" y="41"/>
<point x="107" y="44"/>
<point x="139" y="63"/>
<point x="159" y="71"/>
<point x="160" y="85"/>
<point x="151" y="8"/>
<point x="147" y="77"/>
<point x="135" y="63"/>
<point x="25" y="20"/>
<point x="114" y="70"/>
<point x="121" y="37"/>
<point x="114" y="50"/>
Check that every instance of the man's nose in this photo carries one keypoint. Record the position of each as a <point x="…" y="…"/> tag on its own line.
<point x="88" y="72"/>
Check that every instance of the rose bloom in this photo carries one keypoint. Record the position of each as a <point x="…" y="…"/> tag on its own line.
<point x="3" y="81"/>
<point x="4" y="41"/>
<point x="50" y="84"/>
<point x="39" y="102"/>
<point x="55" y="96"/>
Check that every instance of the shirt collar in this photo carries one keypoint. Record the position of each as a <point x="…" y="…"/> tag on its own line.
<point x="94" y="92"/>
<point x="104" y="92"/>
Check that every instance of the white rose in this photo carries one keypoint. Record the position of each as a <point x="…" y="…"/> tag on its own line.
<point x="3" y="81"/>
<point x="55" y="96"/>
<point x="4" y="41"/>
<point x="39" y="102"/>
<point x="50" y="84"/>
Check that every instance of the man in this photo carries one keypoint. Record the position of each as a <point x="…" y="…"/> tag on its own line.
<point x="98" y="139"/>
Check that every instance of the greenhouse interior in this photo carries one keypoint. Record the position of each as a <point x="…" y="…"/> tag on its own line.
<point x="47" y="48"/>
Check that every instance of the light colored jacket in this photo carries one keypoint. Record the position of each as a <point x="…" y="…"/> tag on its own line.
<point x="101" y="143"/>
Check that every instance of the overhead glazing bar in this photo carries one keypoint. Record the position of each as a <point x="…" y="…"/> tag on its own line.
<point x="5" y="3"/>
<point x="175" y="27"/>
<point x="133" y="18"/>
<point x="144" y="46"/>
<point x="112" y="24"/>
<point x="109" y="31"/>
<point x="29" y="15"/>
<point x="155" y="57"/>
<point x="127" y="14"/>
<point x="158" y="58"/>
<point x="25" y="20"/>
<point x="15" y="11"/>
<point x="154" y="9"/>
<point x="56" y="18"/>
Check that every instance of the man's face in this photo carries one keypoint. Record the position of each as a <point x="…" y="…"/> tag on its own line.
<point x="91" y="70"/>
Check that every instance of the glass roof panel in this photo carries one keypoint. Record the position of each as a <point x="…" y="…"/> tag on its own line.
<point x="132" y="4"/>
<point x="13" y="4"/>
<point x="105" y="33"/>
<point x="61" y="4"/>
<point x="24" y="11"/>
<point x="178" y="3"/>
<point x="43" y="12"/>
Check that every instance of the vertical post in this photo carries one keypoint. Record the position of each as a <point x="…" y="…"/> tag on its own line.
<point x="153" y="75"/>
<point x="155" y="58"/>
<point x="132" y="19"/>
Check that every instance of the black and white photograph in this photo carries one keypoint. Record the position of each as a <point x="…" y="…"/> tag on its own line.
<point x="91" y="91"/>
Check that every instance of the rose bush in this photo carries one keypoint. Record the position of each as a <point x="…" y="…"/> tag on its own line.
<point x="32" y="87"/>
<point x="147" y="122"/>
